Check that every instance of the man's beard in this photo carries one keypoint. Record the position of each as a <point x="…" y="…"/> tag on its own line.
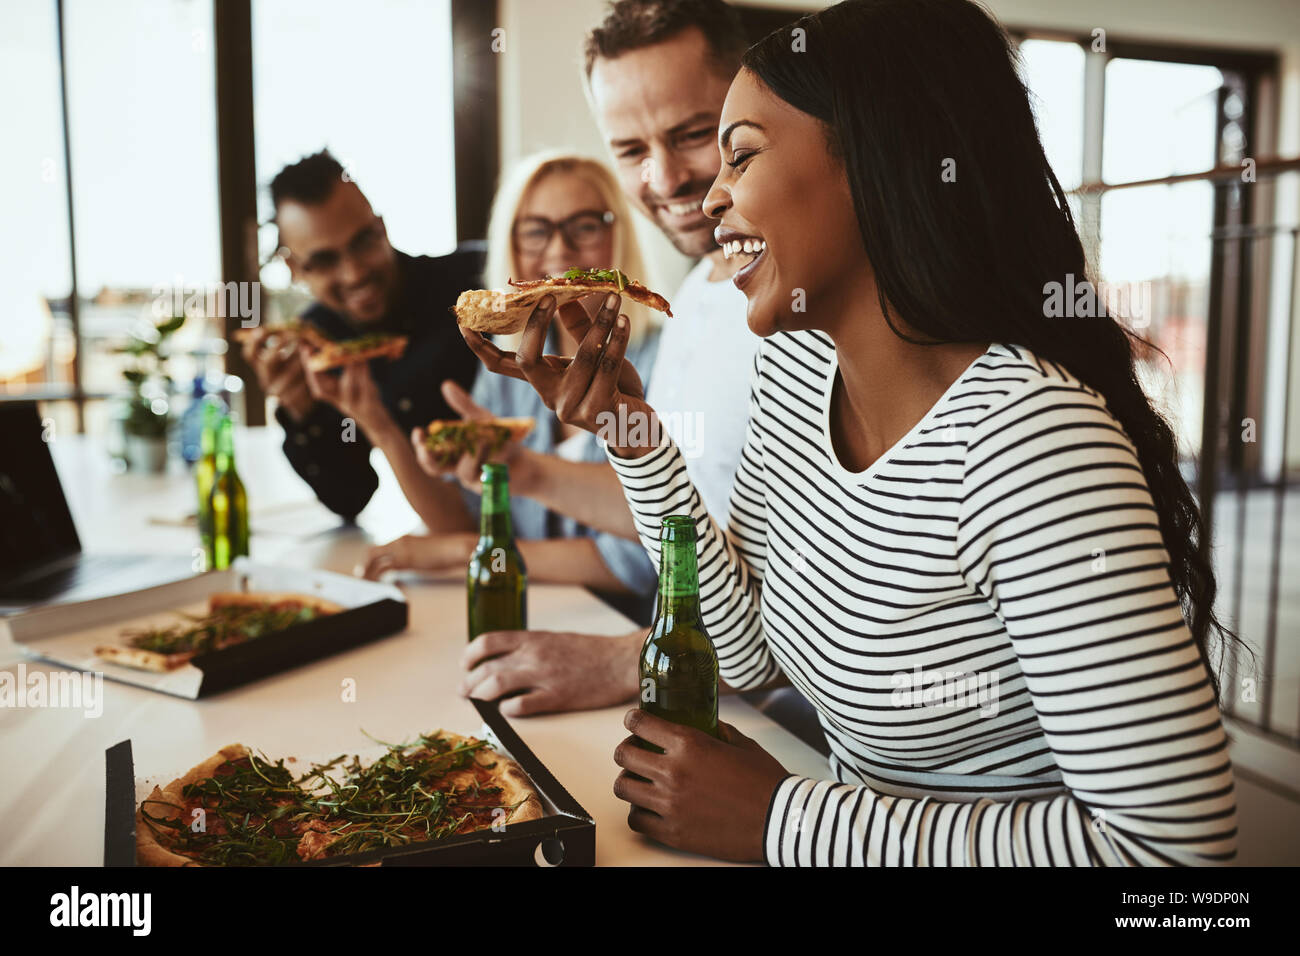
<point x="695" y="243"/>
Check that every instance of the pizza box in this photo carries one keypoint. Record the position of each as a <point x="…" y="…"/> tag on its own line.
<point x="68" y="634"/>
<point x="565" y="836"/>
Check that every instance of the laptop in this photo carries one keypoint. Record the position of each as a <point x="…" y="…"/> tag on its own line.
<point x="41" y="560"/>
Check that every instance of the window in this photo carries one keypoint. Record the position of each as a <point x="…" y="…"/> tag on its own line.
<point x="1053" y="71"/>
<point x="37" y="345"/>
<point x="142" y="125"/>
<point x="373" y="82"/>
<point x="375" y="89"/>
<point x="142" y="140"/>
<point x="1148" y="113"/>
<point x="1161" y="120"/>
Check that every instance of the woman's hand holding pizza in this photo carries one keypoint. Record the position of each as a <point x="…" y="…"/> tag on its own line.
<point x="596" y="389"/>
<point x="702" y="794"/>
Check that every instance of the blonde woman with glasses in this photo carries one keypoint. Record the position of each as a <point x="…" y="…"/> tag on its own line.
<point x="552" y="212"/>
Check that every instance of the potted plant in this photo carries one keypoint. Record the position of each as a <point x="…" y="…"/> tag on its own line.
<point x="148" y="408"/>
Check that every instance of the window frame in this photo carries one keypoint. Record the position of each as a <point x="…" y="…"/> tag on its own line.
<point x="476" y="92"/>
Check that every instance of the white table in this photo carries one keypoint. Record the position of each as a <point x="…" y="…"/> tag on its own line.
<point x="52" y="761"/>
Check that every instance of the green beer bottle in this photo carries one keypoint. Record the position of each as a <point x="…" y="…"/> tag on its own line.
<point x="679" y="666"/>
<point x="227" y="502"/>
<point x="497" y="580"/>
<point x="205" y="469"/>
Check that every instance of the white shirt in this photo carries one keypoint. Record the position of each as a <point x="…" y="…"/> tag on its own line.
<point x="700" y="387"/>
<point x="574" y="447"/>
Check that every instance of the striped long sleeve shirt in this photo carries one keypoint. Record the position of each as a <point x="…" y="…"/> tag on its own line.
<point x="983" y="619"/>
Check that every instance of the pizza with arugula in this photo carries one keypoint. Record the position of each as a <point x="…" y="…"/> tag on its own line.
<point x="240" y="808"/>
<point x="233" y="618"/>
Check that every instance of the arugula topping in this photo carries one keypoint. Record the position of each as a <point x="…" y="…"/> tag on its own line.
<point x="449" y="442"/>
<point x="225" y="626"/>
<point x="362" y="342"/>
<point x="257" y="811"/>
<point x="603" y="275"/>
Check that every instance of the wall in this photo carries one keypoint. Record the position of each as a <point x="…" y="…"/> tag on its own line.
<point x="543" y="105"/>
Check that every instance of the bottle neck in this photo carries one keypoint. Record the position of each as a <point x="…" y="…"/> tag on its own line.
<point x="679" y="581"/>
<point x="208" y="432"/>
<point x="494" y="516"/>
<point x="225" y="452"/>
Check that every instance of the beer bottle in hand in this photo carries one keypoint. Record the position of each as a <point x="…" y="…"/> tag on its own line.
<point x="228" y="503"/>
<point x="497" y="581"/>
<point x="679" y="666"/>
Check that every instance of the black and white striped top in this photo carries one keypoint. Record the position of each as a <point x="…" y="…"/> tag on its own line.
<point x="983" y="619"/>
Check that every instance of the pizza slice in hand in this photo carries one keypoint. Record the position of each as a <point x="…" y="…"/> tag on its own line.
<point x="496" y="312"/>
<point x="449" y="439"/>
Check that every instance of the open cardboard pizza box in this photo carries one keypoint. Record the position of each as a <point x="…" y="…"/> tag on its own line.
<point x="67" y="634"/>
<point x="564" y="836"/>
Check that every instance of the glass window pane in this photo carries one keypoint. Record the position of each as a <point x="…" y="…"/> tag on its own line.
<point x="1155" y="247"/>
<point x="36" y="342"/>
<point x="1053" y="71"/>
<point x="142" y="116"/>
<point x="1160" y="119"/>
<point x="374" y="85"/>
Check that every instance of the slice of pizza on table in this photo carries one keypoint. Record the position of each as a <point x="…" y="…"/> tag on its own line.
<point x="166" y="655"/>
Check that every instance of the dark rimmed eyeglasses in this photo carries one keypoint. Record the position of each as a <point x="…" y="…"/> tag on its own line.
<point x="324" y="261"/>
<point x="582" y="230"/>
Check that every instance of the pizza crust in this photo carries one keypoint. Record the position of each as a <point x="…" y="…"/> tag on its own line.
<point x="261" y="598"/>
<point x="141" y="659"/>
<point x="150" y="852"/>
<point x="288" y="333"/>
<point x="158" y="663"/>
<point x="515" y="786"/>
<point x="519" y="427"/>
<point x="330" y="355"/>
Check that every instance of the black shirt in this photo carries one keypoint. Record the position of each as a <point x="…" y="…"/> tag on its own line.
<point x="338" y="469"/>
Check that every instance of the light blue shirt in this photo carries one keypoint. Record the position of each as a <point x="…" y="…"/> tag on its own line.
<point x="509" y="397"/>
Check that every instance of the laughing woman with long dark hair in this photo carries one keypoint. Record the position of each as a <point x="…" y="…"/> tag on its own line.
<point x="959" y="527"/>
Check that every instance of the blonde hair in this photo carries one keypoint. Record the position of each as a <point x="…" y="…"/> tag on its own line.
<point x="502" y="265"/>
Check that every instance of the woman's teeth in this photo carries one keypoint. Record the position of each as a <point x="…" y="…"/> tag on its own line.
<point x="736" y="247"/>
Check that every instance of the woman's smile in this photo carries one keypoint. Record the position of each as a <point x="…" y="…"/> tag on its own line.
<point x="739" y="245"/>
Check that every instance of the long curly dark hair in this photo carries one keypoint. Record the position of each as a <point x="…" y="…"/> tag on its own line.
<point x="907" y="89"/>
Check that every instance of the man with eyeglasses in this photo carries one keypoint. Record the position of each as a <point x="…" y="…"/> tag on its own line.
<point x="336" y="245"/>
